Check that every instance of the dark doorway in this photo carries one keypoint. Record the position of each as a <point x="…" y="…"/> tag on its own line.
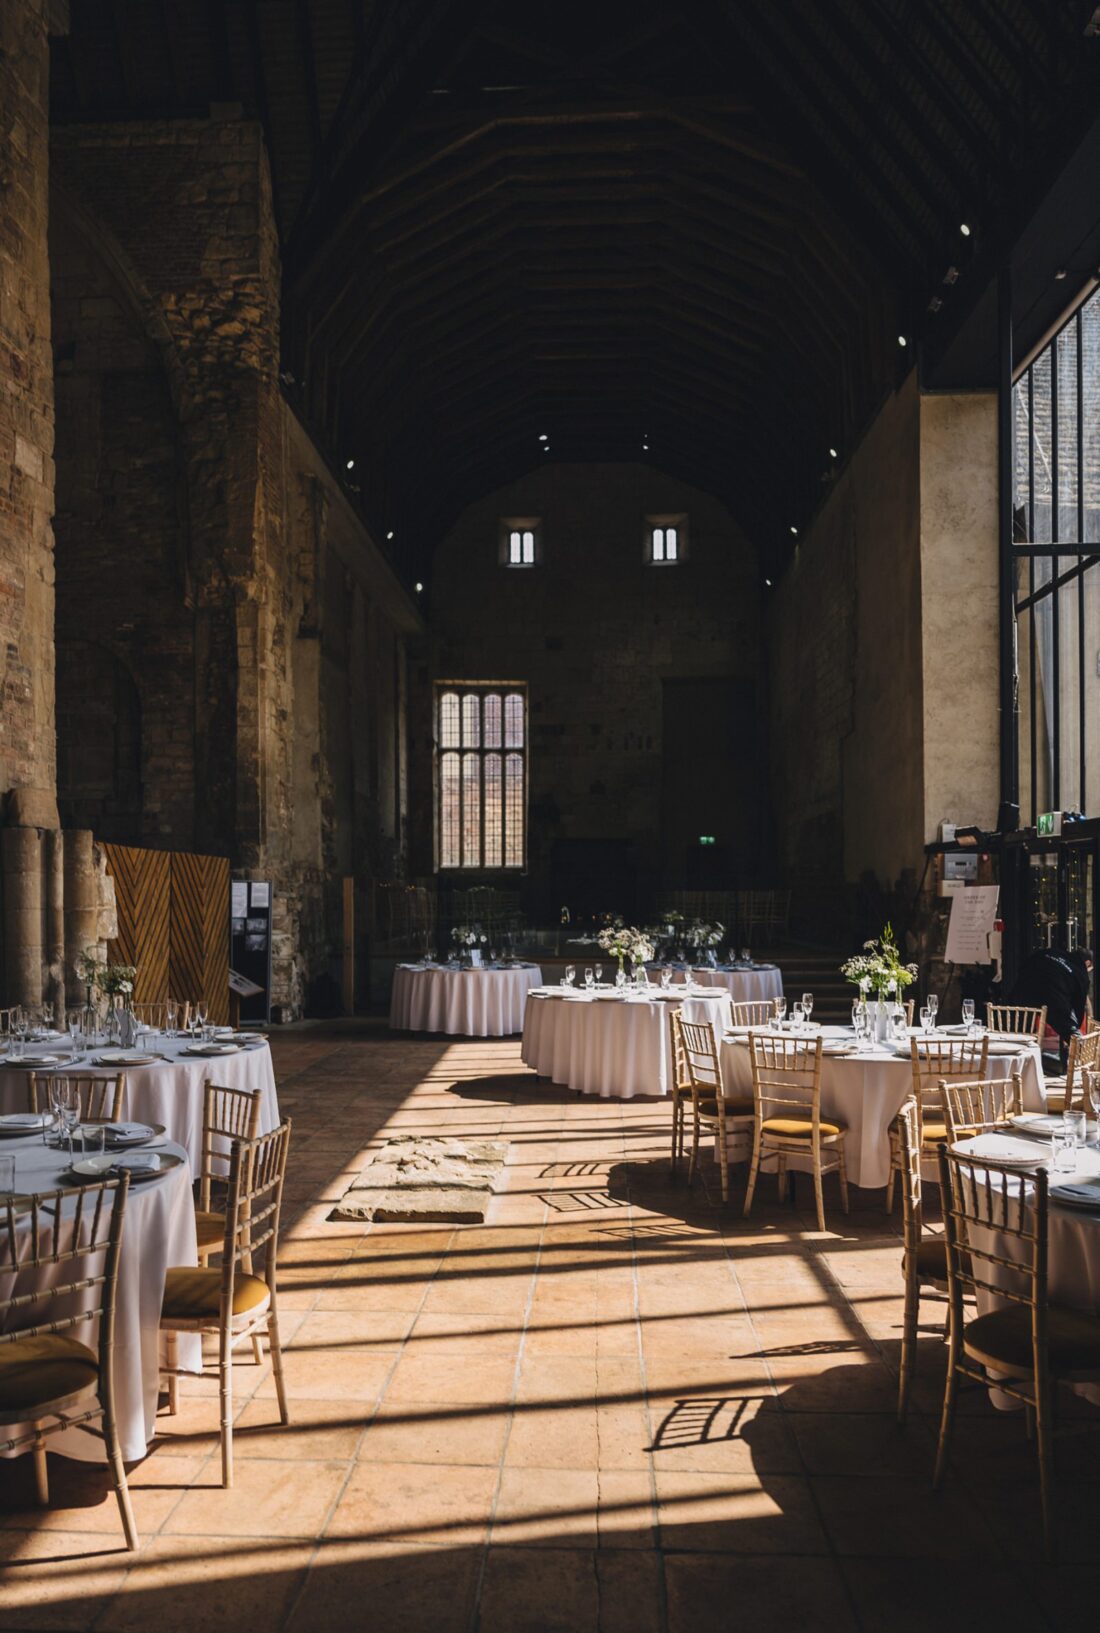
<point x="713" y="790"/>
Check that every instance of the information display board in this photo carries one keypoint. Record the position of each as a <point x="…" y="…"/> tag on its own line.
<point x="973" y="914"/>
<point x="250" y="929"/>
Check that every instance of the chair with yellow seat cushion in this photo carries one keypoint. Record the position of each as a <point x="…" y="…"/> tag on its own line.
<point x="924" y="1260"/>
<point x="229" y="1300"/>
<point x="787" y="1121"/>
<point x="996" y="1228"/>
<point x="63" y="1248"/>
<point x="227" y="1114"/>
<point x="679" y="1089"/>
<point x="711" y="1109"/>
<point x="932" y="1059"/>
<point x="979" y="1108"/>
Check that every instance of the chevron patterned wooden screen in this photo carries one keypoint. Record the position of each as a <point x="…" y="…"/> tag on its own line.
<point x="173" y="924"/>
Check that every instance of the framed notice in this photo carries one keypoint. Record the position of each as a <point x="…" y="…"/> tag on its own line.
<point x="973" y="914"/>
<point x="250" y="928"/>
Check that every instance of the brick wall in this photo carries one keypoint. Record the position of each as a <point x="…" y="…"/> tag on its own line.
<point x="26" y="407"/>
<point x="596" y="633"/>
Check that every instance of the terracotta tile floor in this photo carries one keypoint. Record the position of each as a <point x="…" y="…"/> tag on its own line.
<point x="613" y="1408"/>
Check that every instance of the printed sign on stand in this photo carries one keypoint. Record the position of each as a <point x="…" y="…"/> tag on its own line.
<point x="973" y="915"/>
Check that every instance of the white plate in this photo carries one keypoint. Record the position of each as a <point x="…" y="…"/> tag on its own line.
<point x="1044" y="1124"/>
<point x="42" y="1060"/>
<point x="23" y="1122"/>
<point x="1003" y="1149"/>
<point x="210" y="1050"/>
<point x="122" y="1057"/>
<point x="1077" y="1194"/>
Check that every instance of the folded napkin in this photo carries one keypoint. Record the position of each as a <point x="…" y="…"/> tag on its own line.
<point x="138" y="1162"/>
<point x="127" y="1131"/>
<point x="22" y="1119"/>
<point x="1084" y="1193"/>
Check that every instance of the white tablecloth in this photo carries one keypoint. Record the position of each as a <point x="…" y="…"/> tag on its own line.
<point x="464" y="1003"/>
<point x="167" y="1092"/>
<point x="158" y="1231"/>
<point x="865" y="1092"/>
<point x="743" y="986"/>
<point x="614" y="1047"/>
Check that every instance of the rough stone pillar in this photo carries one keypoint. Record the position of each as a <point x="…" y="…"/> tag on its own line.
<point x="81" y="904"/>
<point x="53" y="975"/>
<point x="21" y="850"/>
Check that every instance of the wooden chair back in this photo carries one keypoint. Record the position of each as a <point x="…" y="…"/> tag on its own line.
<point x="786" y="1077"/>
<point x="227" y="1115"/>
<point x="1017" y="1020"/>
<point x="701" y="1057"/>
<point x="1084" y="1051"/>
<point x="754" y="1012"/>
<point x="937" y="1057"/>
<point x="995" y="1226"/>
<point x="257" y="1169"/>
<point x="981" y="1108"/>
<point x="74" y="1235"/>
<point x="907" y="1128"/>
<point x="102" y="1099"/>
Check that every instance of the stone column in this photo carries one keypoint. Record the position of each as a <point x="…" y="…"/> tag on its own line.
<point x="21" y="849"/>
<point x="81" y="904"/>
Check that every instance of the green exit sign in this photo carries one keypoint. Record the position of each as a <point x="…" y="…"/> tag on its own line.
<point x="1050" y="822"/>
<point x="706" y="839"/>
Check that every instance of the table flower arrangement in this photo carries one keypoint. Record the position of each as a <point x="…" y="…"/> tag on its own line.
<point x="879" y="969"/>
<point x="115" y="982"/>
<point x="623" y="941"/>
<point x="468" y="936"/>
<point x="704" y="936"/>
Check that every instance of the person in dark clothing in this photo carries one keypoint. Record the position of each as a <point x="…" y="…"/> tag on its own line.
<point x="1063" y="982"/>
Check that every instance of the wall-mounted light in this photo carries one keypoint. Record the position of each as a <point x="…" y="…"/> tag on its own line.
<point x="419" y="587"/>
<point x="902" y="341"/>
<point x="389" y="535"/>
<point x="964" y="228"/>
<point x="350" y="466"/>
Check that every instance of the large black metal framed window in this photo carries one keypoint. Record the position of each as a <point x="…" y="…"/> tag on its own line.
<point x="480" y="775"/>
<point x="1056" y="566"/>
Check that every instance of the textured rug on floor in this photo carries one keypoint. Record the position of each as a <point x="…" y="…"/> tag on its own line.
<point x="437" y="1180"/>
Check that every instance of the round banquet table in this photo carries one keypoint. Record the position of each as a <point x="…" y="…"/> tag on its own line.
<point x="157" y="1231"/>
<point x="484" y="1003"/>
<point x="611" y="1046"/>
<point x="168" y="1091"/>
<point x="743" y="986"/>
<point x="866" y="1092"/>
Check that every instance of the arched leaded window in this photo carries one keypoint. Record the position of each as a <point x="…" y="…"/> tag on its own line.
<point x="481" y="775"/>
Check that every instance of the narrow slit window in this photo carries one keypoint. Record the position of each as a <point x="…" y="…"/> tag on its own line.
<point x="520" y="543"/>
<point x="665" y="539"/>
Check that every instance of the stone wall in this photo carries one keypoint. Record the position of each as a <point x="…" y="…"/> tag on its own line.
<point x="883" y="663"/>
<point x="223" y="614"/>
<point x="26" y="412"/>
<point x="603" y="640"/>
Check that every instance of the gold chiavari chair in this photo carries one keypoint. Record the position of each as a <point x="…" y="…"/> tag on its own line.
<point x="981" y="1108"/>
<point x="6" y="1018"/>
<point x="229" y="1301"/>
<point x="681" y="1087"/>
<point x="934" y="1059"/>
<point x="909" y="1006"/>
<point x="1067" y="1093"/>
<point x="924" y="1263"/>
<point x="1017" y="1020"/>
<point x="710" y="1107"/>
<point x="754" y="1012"/>
<point x="155" y="1015"/>
<point x="227" y="1115"/>
<point x="102" y="1099"/>
<point x="787" y="1120"/>
<point x="995" y="1222"/>
<point x="49" y="1380"/>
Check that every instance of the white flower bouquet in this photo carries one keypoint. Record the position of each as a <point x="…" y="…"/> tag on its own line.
<point x="623" y="941"/>
<point x="878" y="967"/>
<point x="468" y="935"/>
<point x="703" y="934"/>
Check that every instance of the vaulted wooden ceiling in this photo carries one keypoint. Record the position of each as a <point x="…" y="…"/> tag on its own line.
<point x="687" y="235"/>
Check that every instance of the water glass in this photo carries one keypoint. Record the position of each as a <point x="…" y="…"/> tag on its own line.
<point x="933" y="1003"/>
<point x="171" y="1018"/>
<point x="7" y="1176"/>
<point x="968" y="1012"/>
<point x="666" y="979"/>
<point x="93" y="1138"/>
<point x="1063" y="1147"/>
<point x="1074" y="1126"/>
<point x="571" y="973"/>
<point x="589" y="977"/>
<point x="807" y="1004"/>
<point x="796" y="1014"/>
<point x="781" y="1010"/>
<point x="17" y="1045"/>
<point x="927" y="1019"/>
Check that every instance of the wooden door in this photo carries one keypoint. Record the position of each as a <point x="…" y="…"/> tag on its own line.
<point x="173" y="924"/>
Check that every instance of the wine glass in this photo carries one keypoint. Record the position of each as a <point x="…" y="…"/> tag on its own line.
<point x="796" y="1014"/>
<point x="927" y="1019"/>
<point x="65" y="1102"/>
<point x="968" y="1013"/>
<point x="933" y="1003"/>
<point x="781" y="1010"/>
<point x="599" y="973"/>
<point x="589" y="977"/>
<point x="570" y="974"/>
<point x="807" y="1004"/>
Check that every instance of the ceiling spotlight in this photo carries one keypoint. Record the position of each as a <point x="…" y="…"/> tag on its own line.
<point x="832" y="453"/>
<point x="389" y="535"/>
<point x="546" y="450"/>
<point x="902" y="341"/>
<point x="350" y="465"/>
<point x="768" y="582"/>
<point x="964" y="228"/>
<point x="645" y="447"/>
<point x="1061" y="273"/>
<point x="419" y="587"/>
<point x="544" y="437"/>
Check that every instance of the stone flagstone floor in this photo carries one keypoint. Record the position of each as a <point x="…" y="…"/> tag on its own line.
<point x="612" y="1408"/>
